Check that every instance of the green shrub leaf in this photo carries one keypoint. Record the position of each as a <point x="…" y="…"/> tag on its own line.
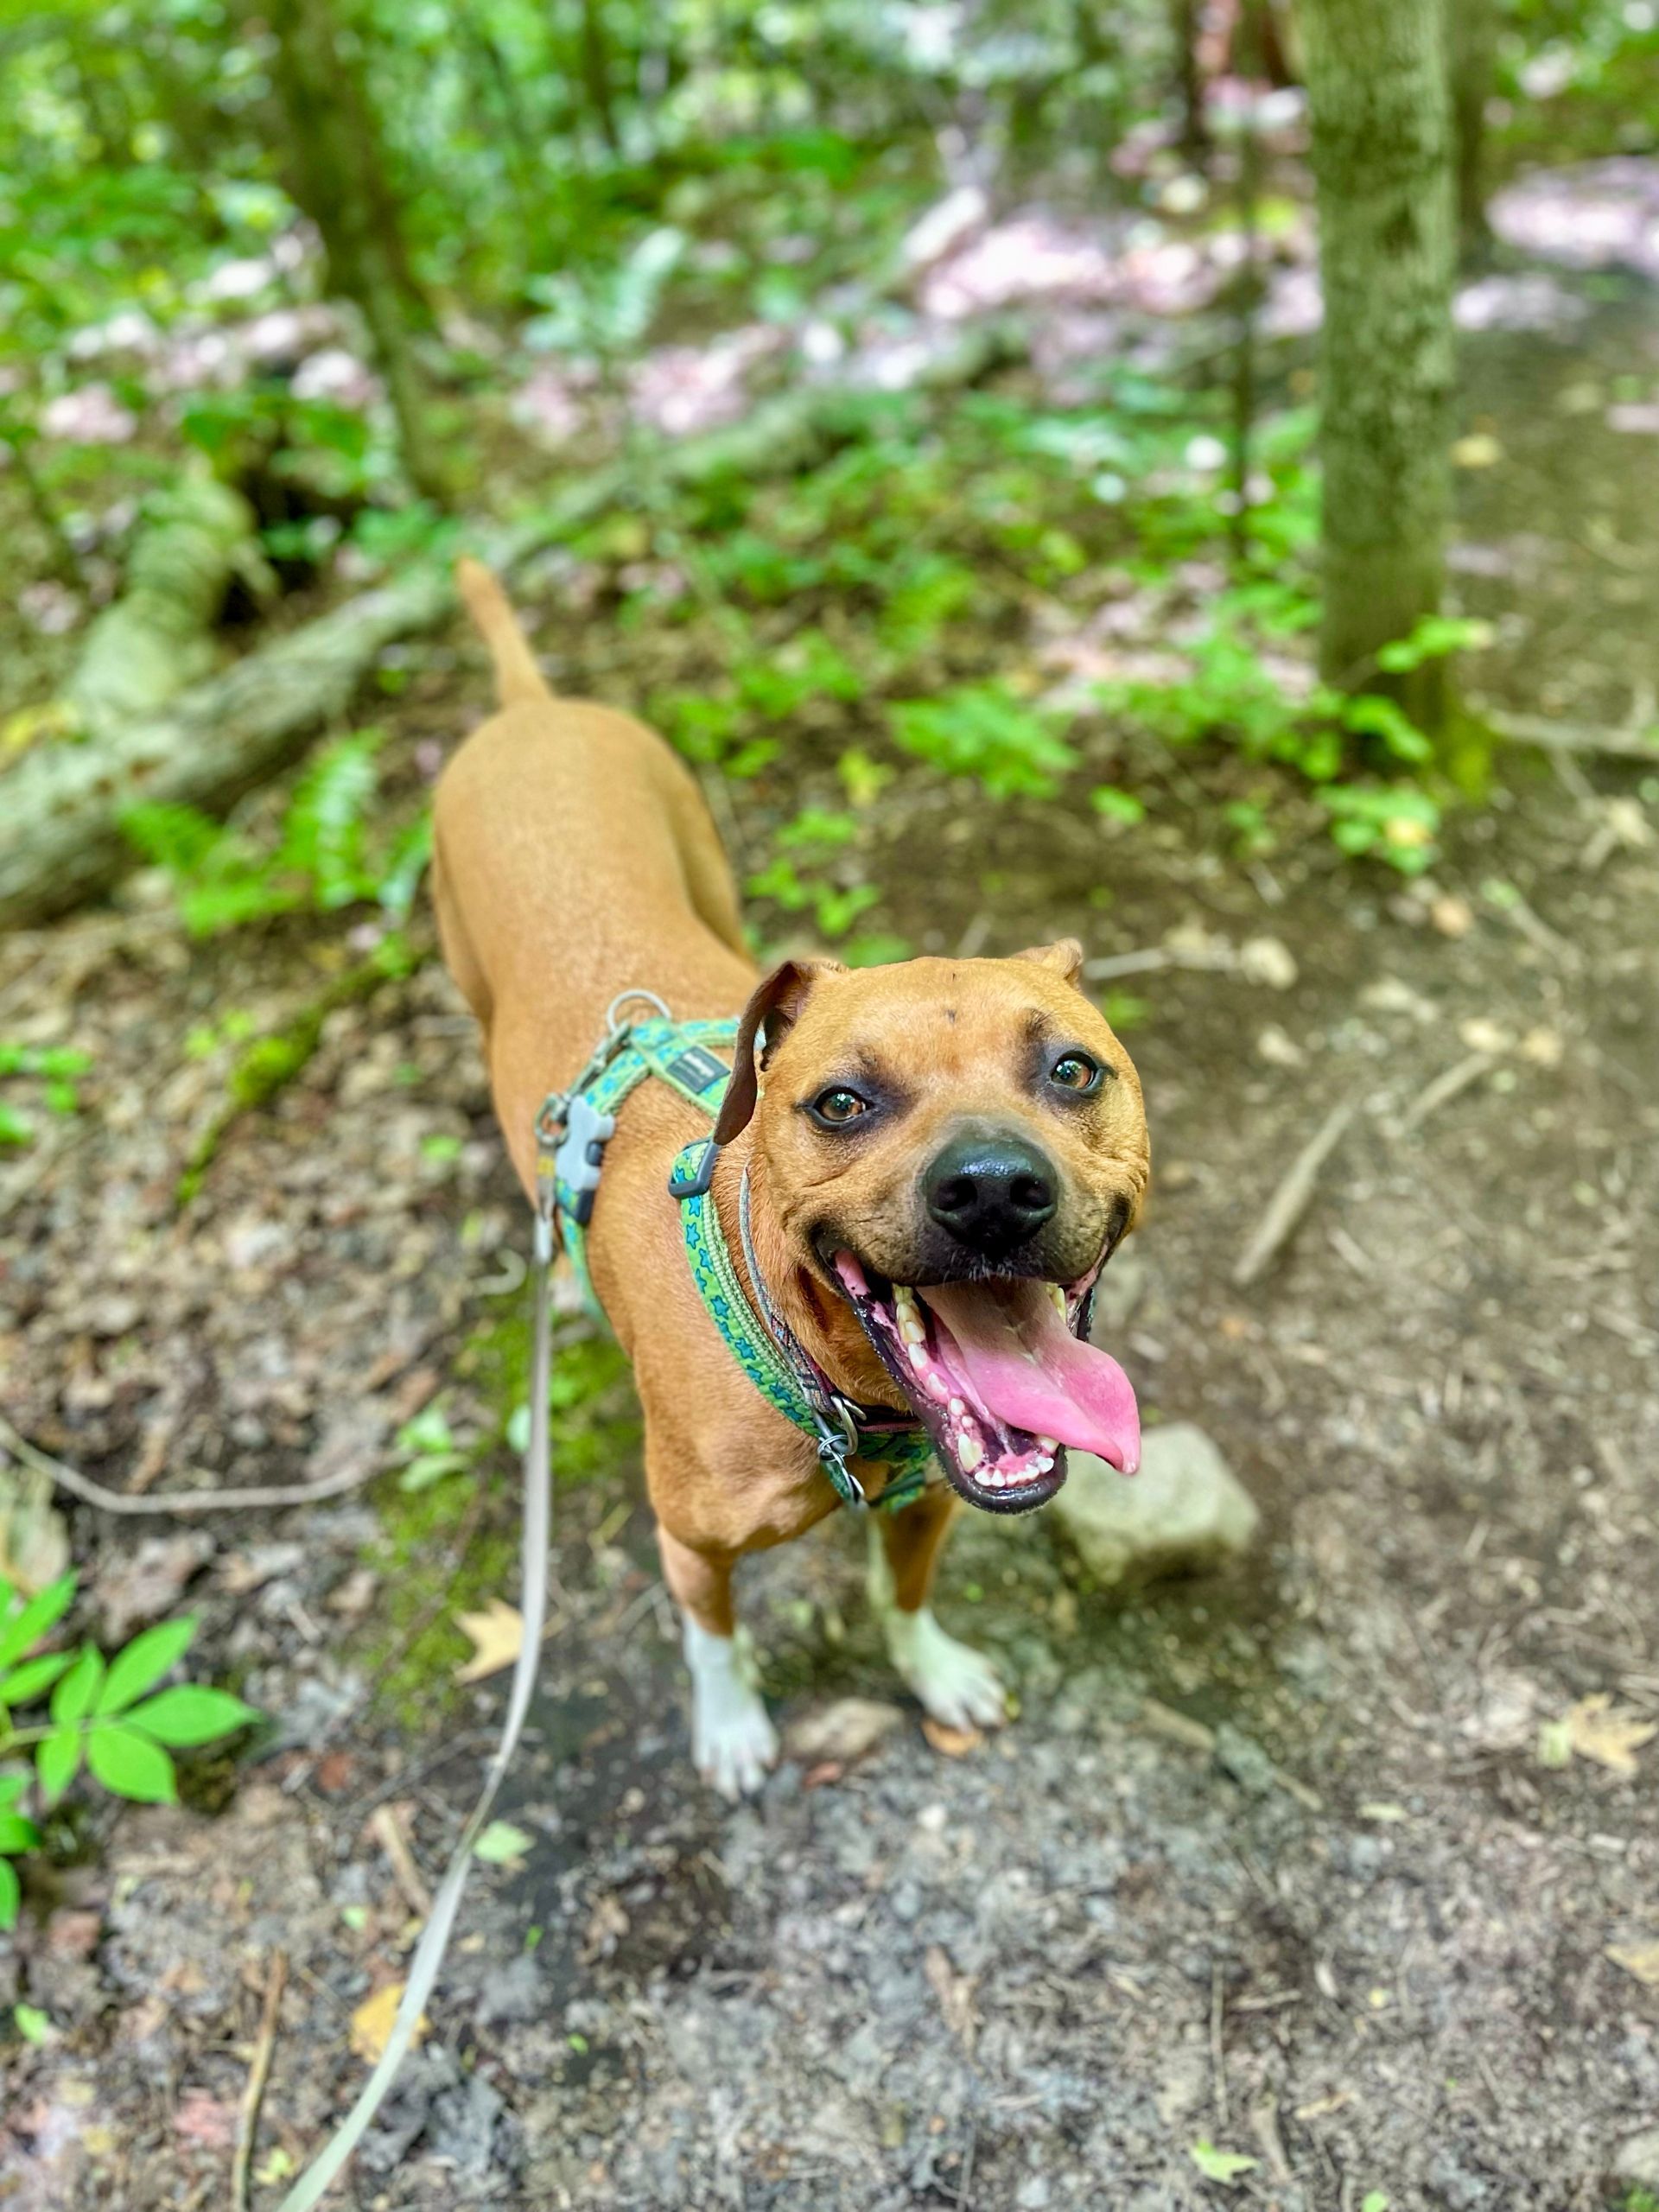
<point x="56" y="1761"/>
<point x="145" y="1660"/>
<point x="72" y="1698"/>
<point x="130" y="1764"/>
<point x="10" y="1892"/>
<point x="18" y="1834"/>
<point x="33" y="1677"/>
<point x="189" y="1715"/>
<point x="42" y="1611"/>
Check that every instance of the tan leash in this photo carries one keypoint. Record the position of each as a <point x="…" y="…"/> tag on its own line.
<point x="326" y="2167"/>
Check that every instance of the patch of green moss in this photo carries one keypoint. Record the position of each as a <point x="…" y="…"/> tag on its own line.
<point x="595" y="1432"/>
<point x="595" y="1425"/>
<point x="411" y="1556"/>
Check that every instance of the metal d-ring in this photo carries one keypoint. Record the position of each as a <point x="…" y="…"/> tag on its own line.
<point x="622" y="999"/>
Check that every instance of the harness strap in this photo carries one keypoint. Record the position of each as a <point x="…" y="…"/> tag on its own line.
<point x="572" y="1131"/>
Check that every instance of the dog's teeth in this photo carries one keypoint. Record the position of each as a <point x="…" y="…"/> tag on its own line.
<point x="910" y="1329"/>
<point x="1048" y="1444"/>
<point x="970" y="1452"/>
<point x="956" y="1405"/>
<point x="935" y="1384"/>
<point x="1059" y="1297"/>
<point x="1043" y="1462"/>
<point x="918" y="1354"/>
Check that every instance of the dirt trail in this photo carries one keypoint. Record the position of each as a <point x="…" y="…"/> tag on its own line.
<point x="1040" y="1974"/>
<point x="1319" y="1903"/>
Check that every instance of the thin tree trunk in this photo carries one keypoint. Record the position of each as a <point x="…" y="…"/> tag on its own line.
<point x="596" y="73"/>
<point x="1382" y="143"/>
<point x="1472" y="27"/>
<point x="1189" y="81"/>
<point x="337" y="172"/>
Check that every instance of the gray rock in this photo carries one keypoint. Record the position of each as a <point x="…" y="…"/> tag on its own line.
<point x="516" y="1992"/>
<point x="1119" y="1291"/>
<point x="844" y="1730"/>
<point x="1186" y="1511"/>
<point x="1637" y="2158"/>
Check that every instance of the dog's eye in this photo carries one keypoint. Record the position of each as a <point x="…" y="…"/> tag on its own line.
<point x="838" y="1106"/>
<point x="1075" y="1071"/>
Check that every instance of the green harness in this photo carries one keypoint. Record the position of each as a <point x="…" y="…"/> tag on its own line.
<point x="571" y="1132"/>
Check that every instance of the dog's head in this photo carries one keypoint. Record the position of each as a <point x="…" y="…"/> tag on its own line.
<point x="956" y="1147"/>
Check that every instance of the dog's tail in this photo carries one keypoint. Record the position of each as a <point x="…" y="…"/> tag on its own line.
<point x="516" y="676"/>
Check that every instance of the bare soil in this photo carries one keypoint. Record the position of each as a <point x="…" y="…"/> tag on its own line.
<point x="1284" y="1861"/>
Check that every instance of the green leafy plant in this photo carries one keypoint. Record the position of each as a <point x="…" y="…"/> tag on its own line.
<point x="1395" y="822"/>
<point x="56" y="1067"/>
<point x="427" y="1450"/>
<point x="324" y="857"/>
<point x="982" y="730"/>
<point x="1225" y="2166"/>
<point x="104" y="1713"/>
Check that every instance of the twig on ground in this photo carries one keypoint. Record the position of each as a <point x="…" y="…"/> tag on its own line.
<point x="386" y="1826"/>
<point x="1217" y="961"/>
<point x="1536" y="930"/>
<point x="1569" y="737"/>
<point x="1264" y="2125"/>
<point x="1445" y="1086"/>
<point x="1217" y="2047"/>
<point x="186" y="1501"/>
<point x="1292" y="1199"/>
<point x="247" y="2121"/>
<point x="965" y="2182"/>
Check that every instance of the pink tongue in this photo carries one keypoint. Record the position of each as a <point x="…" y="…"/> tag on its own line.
<point x="1033" y="1373"/>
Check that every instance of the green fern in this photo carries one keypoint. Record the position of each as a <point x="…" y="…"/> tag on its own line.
<point x="324" y="857"/>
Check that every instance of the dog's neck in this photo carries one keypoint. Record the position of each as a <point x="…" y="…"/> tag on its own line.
<point x="823" y="1321"/>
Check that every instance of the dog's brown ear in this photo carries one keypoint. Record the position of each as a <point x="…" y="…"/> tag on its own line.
<point x="1063" y="958"/>
<point x="773" y="1009"/>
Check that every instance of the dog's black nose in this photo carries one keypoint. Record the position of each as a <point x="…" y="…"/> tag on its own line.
<point x="991" y="1191"/>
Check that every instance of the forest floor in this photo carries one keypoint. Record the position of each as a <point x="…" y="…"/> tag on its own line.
<point x="1343" y="1863"/>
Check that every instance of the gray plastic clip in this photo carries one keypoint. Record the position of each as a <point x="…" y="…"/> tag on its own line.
<point x="577" y="1161"/>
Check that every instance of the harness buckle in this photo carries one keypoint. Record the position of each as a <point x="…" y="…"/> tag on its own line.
<point x="581" y="1155"/>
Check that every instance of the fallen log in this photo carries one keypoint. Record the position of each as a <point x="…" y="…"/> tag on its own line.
<point x="62" y="806"/>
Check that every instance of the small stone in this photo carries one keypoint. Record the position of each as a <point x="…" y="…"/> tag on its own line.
<point x="516" y="1992"/>
<point x="1267" y="960"/>
<point x="1185" y="1512"/>
<point x="1279" y="1049"/>
<point x="842" y="1731"/>
<point x="1637" y="2158"/>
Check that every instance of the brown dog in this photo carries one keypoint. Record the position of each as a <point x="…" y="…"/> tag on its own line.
<point x="943" y="1154"/>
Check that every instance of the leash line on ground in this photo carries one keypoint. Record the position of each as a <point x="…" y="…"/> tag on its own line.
<point x="313" y="2184"/>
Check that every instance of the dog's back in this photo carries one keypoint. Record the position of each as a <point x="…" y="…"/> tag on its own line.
<point x="574" y="858"/>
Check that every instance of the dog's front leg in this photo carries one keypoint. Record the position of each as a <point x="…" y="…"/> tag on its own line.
<point x="957" y="1684"/>
<point x="733" y="1742"/>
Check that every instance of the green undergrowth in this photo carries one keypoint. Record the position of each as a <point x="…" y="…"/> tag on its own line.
<point x="874" y="614"/>
<point x="595" y="1436"/>
<point x="266" y="1065"/>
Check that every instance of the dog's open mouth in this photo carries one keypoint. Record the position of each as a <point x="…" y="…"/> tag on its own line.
<point x="999" y="1380"/>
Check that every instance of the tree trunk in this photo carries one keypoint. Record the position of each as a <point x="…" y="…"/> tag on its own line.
<point x="1472" y="28"/>
<point x="1189" y="81"/>
<point x="1382" y="143"/>
<point x="596" y="73"/>
<point x="337" y="172"/>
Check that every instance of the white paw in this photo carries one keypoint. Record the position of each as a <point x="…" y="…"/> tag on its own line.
<point x="955" y="1684"/>
<point x="736" y="1749"/>
<point x="733" y="1743"/>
